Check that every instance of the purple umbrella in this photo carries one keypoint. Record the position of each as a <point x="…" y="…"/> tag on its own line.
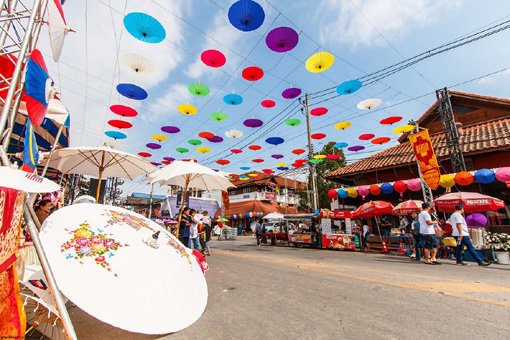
<point x="169" y="159"/>
<point x="155" y="163"/>
<point x="476" y="220"/>
<point x="277" y="156"/>
<point x="356" y="148"/>
<point x="170" y="129"/>
<point x="253" y="123"/>
<point x="153" y="146"/>
<point x="282" y="39"/>
<point x="215" y="139"/>
<point x="291" y="93"/>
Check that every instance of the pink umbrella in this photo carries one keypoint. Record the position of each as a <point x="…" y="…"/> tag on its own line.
<point x="407" y="207"/>
<point x="363" y="191"/>
<point x="414" y="184"/>
<point x="472" y="202"/>
<point x="503" y="175"/>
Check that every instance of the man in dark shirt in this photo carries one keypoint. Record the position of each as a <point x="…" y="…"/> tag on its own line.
<point x="184" y="227"/>
<point x="385" y="226"/>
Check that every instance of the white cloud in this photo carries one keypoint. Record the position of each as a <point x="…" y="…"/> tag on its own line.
<point x="392" y="18"/>
<point x="492" y="78"/>
<point x="167" y="104"/>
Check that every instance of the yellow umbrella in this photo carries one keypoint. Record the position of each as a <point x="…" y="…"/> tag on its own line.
<point x="447" y="181"/>
<point x="253" y="175"/>
<point x="342" y="125"/>
<point x="403" y="129"/>
<point x="244" y="178"/>
<point x="319" y="62"/>
<point x="351" y="192"/>
<point x="187" y="109"/>
<point x="160" y="138"/>
<point x="281" y="164"/>
<point x="319" y="156"/>
<point x="203" y="149"/>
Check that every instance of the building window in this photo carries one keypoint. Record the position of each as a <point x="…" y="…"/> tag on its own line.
<point x="245" y="190"/>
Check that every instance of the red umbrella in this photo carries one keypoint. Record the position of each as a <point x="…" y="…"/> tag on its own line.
<point x="267" y="171"/>
<point x="408" y="207"/>
<point x="318" y="136"/>
<point x="205" y="134"/>
<point x="120" y="124"/>
<point x="253" y="73"/>
<point x="236" y="150"/>
<point x="374" y="208"/>
<point x="391" y="120"/>
<point x="254" y="147"/>
<point x="258" y="160"/>
<point x="472" y="202"/>
<point x="366" y="136"/>
<point x="144" y="154"/>
<point x="268" y="103"/>
<point x="319" y="111"/>
<point x="298" y="151"/>
<point x="223" y="161"/>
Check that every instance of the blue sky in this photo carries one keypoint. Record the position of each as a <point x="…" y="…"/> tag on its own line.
<point x="363" y="35"/>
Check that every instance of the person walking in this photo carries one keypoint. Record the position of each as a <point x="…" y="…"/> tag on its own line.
<point x="258" y="231"/>
<point x="461" y="233"/>
<point x="415" y="230"/>
<point x="207" y="230"/>
<point x="184" y="227"/>
<point x="193" y="234"/>
<point x="366" y="233"/>
<point x="428" y="234"/>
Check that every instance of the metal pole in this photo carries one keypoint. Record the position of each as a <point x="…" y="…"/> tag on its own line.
<point x="55" y="144"/>
<point x="150" y="201"/>
<point x="310" y="154"/>
<point x="10" y="6"/>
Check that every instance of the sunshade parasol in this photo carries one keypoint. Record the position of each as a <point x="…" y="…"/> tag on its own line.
<point x="319" y="111"/>
<point x="407" y="207"/>
<point x="144" y="154"/>
<point x="115" y="134"/>
<point x="215" y="139"/>
<point x="291" y="93"/>
<point x="253" y="123"/>
<point x="282" y="39"/>
<point x="368" y="104"/>
<point x="25" y="181"/>
<point x="233" y="99"/>
<point x="341" y="145"/>
<point x="277" y="156"/>
<point x="203" y="149"/>
<point x="132" y="91"/>
<point x="236" y="151"/>
<point x="205" y="134"/>
<point x="137" y="64"/>
<point x="268" y="103"/>
<point x="194" y="142"/>
<point x="160" y="138"/>
<point x="199" y="90"/>
<point x="366" y="136"/>
<point x="181" y="150"/>
<point x="124" y="111"/>
<point x="319" y="62"/>
<point x="258" y="160"/>
<point x="472" y="202"/>
<point x="144" y="27"/>
<point x="253" y="73"/>
<point x="187" y="109"/>
<point x="170" y="129"/>
<point x="403" y="129"/>
<point x="380" y="140"/>
<point x="234" y="133"/>
<point x="391" y="120"/>
<point x="120" y="124"/>
<point x="342" y="125"/>
<point x="223" y="161"/>
<point x="246" y="15"/>
<point x="255" y="147"/>
<point x="356" y="148"/>
<point x="348" y="87"/>
<point x="298" y="151"/>
<point x="169" y="159"/>
<point x="153" y="146"/>
<point x="57" y="28"/>
<point x="274" y="140"/>
<point x="318" y="136"/>
<point x="374" y="208"/>
<point x="218" y="116"/>
<point x="213" y="58"/>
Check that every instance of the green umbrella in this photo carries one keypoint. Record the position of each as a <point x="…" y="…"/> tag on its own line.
<point x="292" y="122"/>
<point x="316" y="160"/>
<point x="182" y="150"/>
<point x="198" y="89"/>
<point x="221" y="220"/>
<point x="218" y="116"/>
<point x="194" y="142"/>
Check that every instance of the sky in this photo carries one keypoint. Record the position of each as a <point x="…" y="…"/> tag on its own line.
<point x="363" y="35"/>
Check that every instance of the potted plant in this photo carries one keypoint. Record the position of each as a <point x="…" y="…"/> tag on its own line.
<point x="500" y="245"/>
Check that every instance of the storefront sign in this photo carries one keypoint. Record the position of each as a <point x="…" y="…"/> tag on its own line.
<point x="427" y="161"/>
<point x="342" y="214"/>
<point x="270" y="196"/>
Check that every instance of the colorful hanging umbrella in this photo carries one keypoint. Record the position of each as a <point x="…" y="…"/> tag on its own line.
<point x="349" y="86"/>
<point x="342" y="125"/>
<point x="414" y="184"/>
<point x="301" y="160"/>
<point x="277" y="156"/>
<point x="144" y="27"/>
<point x="39" y="88"/>
<point x="341" y="193"/>
<point x="155" y="163"/>
<point x="472" y="202"/>
<point x="233" y="99"/>
<point x="319" y="156"/>
<point x="375" y="190"/>
<point x="218" y="116"/>
<point x="123" y="111"/>
<point x="166" y="162"/>
<point x="267" y="171"/>
<point x="194" y="142"/>
<point x="381" y="140"/>
<point x="352" y="193"/>
<point x="244" y="168"/>
<point x="253" y="123"/>
<point x="144" y="154"/>
<point x="213" y="58"/>
<point x="318" y="136"/>
<point x="366" y="136"/>
<point x="319" y="111"/>
<point x="169" y="159"/>
<point x="215" y="139"/>
<point x="153" y="146"/>
<point x="503" y="175"/>
<point x="187" y="109"/>
<point x="258" y="160"/>
<point x="137" y="64"/>
<point x="181" y="150"/>
<point x="386" y="188"/>
<point x="115" y="134"/>
<point x="246" y="15"/>
<point x="203" y="149"/>
<point x="369" y="104"/>
<point x="315" y="160"/>
<point x="234" y="133"/>
<point x="400" y="187"/>
<point x="222" y="162"/>
<point x="485" y="176"/>
<point x="199" y="90"/>
<point x="319" y="62"/>
<point x="282" y="39"/>
<point x="205" y="135"/>
<point x="132" y="91"/>
<point x="282" y="168"/>
<point x="447" y="181"/>
<point x="274" y="140"/>
<point x="254" y="147"/>
<point x="236" y="151"/>
<point x="57" y="28"/>
<point x="297" y="165"/>
<point x="363" y="191"/>
<point x="120" y="124"/>
<point x="291" y="93"/>
<point x="464" y="178"/>
<point x="160" y="138"/>
<point x="268" y="103"/>
<point x="281" y="164"/>
<point x="334" y="156"/>
<point x="252" y="73"/>
<point x="476" y="220"/>
<point x="391" y="120"/>
<point x="340" y="145"/>
<point x="356" y="148"/>
<point x="170" y="129"/>
<point x="403" y="129"/>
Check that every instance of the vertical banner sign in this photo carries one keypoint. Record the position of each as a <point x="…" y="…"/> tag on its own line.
<point x="427" y="161"/>
<point x="225" y="199"/>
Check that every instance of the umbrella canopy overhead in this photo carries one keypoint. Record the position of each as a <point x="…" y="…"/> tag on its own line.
<point x="234" y="133"/>
<point x="282" y="39"/>
<point x="153" y="146"/>
<point x="199" y="90"/>
<point x="318" y="136"/>
<point x="356" y="148"/>
<point x="472" y="202"/>
<point x="132" y="91"/>
<point x="137" y="64"/>
<point x="215" y="139"/>
<point x="206" y="135"/>
<point x="233" y="99"/>
<point x="187" y="109"/>
<point x="144" y="27"/>
<point x="181" y="150"/>
<point x="298" y="151"/>
<point x="195" y="142"/>
<point x="254" y="147"/>
<point x="218" y="116"/>
<point x="476" y="220"/>
<point x="213" y="58"/>
<point x="253" y="123"/>
<point x="25" y="181"/>
<point x="349" y="86"/>
<point x="246" y="15"/>
<point x="408" y="207"/>
<point x="124" y="111"/>
<point x="145" y="155"/>
<point x="39" y="88"/>
<point x="341" y="145"/>
<point x="319" y="111"/>
<point x="274" y="140"/>
<point x="380" y="140"/>
<point x="319" y="62"/>
<point x="369" y="104"/>
<point x="170" y="129"/>
<point x="120" y="124"/>
<point x="236" y="151"/>
<point x="160" y="138"/>
<point x="343" y="125"/>
<point x="115" y="134"/>
<point x="403" y="129"/>
<point x="253" y="73"/>
<point x="57" y="28"/>
<point x="391" y="120"/>
<point x="366" y="136"/>
<point x="291" y="93"/>
<point x="268" y="103"/>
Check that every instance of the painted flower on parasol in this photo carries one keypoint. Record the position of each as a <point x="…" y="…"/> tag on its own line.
<point x="132" y="91"/>
<point x="319" y="111"/>
<point x="233" y="99"/>
<point x="246" y="15"/>
<point x="282" y="39"/>
<point x="268" y="103"/>
<point x="369" y="104"/>
<point x="298" y="151"/>
<point x="170" y="129"/>
<point x="187" y="109"/>
<point x="215" y="139"/>
<point x="254" y="147"/>
<point x="124" y="111"/>
<point x="223" y="161"/>
<point x="342" y="125"/>
<point x="137" y="64"/>
<point x="236" y="151"/>
<point x="340" y="145"/>
<point x="120" y="124"/>
<point x="234" y="133"/>
<point x="199" y="90"/>
<point x="366" y="136"/>
<point x="218" y="116"/>
<point x="274" y="140"/>
<point x="194" y="142"/>
<point x="403" y="129"/>
<point x="356" y="148"/>
<point x="57" y="28"/>
<point x="319" y="62"/>
<point x="380" y="140"/>
<point x="144" y="27"/>
<point x="292" y="122"/>
<point x="153" y="146"/>
<point x="253" y="123"/>
<point x="318" y="136"/>
<point x="253" y="73"/>
<point x="205" y="135"/>
<point x="291" y="93"/>
<point x="115" y="134"/>
<point x="390" y="120"/>
<point x="349" y="86"/>
<point x="213" y="58"/>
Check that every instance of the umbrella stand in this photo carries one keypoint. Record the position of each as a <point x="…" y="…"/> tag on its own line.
<point x="188" y="179"/>
<point x="101" y="169"/>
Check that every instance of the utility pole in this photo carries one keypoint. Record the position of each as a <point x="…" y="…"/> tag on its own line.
<point x="310" y="153"/>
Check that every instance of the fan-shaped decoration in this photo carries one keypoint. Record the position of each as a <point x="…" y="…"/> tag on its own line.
<point x="187" y="109"/>
<point x="315" y="160"/>
<point x="334" y="156"/>
<point x="253" y="123"/>
<point x="120" y="124"/>
<point x="281" y="164"/>
<point x="169" y="159"/>
<point x="39" y="88"/>
<point x="318" y="136"/>
<point x="233" y="99"/>
<point x="124" y="111"/>
<point x="375" y="190"/>
<point x="319" y="156"/>
<point x="194" y="142"/>
<point x="144" y="154"/>
<point x="244" y="168"/>
<point x="342" y="125"/>
<point x="391" y="120"/>
<point x="381" y="140"/>
<point x="170" y="129"/>
<point x="160" y="138"/>
<point x="340" y="145"/>
<point x="246" y="15"/>
<point x="268" y="103"/>
<point x="213" y="58"/>
<point x="153" y="146"/>
<point x="223" y="161"/>
<point x="349" y="86"/>
<point x="144" y="27"/>
<point x="199" y="90"/>
<point x="298" y="151"/>
<point x="282" y="168"/>
<point x="291" y="93"/>
<point x="234" y="133"/>
<point x="236" y="151"/>
<point x="267" y="171"/>
<point x="203" y="149"/>
<point x="403" y="129"/>
<point x="132" y="91"/>
<point x="258" y="160"/>
<point x="218" y="116"/>
<point x="319" y="111"/>
<point x="277" y="156"/>
<point x="115" y="134"/>
<point x="253" y="73"/>
<point x="137" y="64"/>
<point x="205" y="135"/>
<point x="274" y="140"/>
<point x="366" y="136"/>
<point x="319" y="62"/>
<point x="356" y="148"/>
<point x="292" y="122"/>
<point x="254" y="147"/>
<point x="369" y="104"/>
<point x="464" y="178"/>
<point x="215" y="139"/>
<point x="181" y="150"/>
<point x="282" y="39"/>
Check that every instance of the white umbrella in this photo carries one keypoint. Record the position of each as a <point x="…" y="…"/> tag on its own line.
<point x="25" y="181"/>
<point x="368" y="104"/>
<point x="100" y="161"/>
<point x="274" y="216"/>
<point x="58" y="28"/>
<point x="234" y="133"/>
<point x="137" y="63"/>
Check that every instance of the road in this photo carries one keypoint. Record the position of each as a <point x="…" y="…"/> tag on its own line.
<point x="283" y="292"/>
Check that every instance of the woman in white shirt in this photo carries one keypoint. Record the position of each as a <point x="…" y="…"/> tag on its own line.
<point x="193" y="233"/>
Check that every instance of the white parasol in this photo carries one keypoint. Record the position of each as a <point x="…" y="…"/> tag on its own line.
<point x="234" y="133"/>
<point x="25" y="181"/>
<point x="43" y="317"/>
<point x="58" y="28"/>
<point x="136" y="63"/>
<point x="273" y="216"/>
<point x="107" y="263"/>
<point x="368" y="104"/>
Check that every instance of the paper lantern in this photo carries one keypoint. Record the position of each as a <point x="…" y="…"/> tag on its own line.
<point x="342" y="193"/>
<point x="414" y="184"/>
<point x="503" y="175"/>
<point x="464" y="178"/>
<point x="375" y="190"/>
<point x="363" y="191"/>
<point x="400" y="187"/>
<point x="476" y="220"/>
<point x="387" y="188"/>
<point x="484" y="176"/>
<point x="332" y="194"/>
<point x="447" y="181"/>
<point x="352" y="193"/>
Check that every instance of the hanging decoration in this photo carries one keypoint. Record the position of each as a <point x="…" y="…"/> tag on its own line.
<point x="363" y="191"/>
<point x="253" y="123"/>
<point x="414" y="184"/>
<point x="57" y="28"/>
<point x="246" y="15"/>
<point x="485" y="176"/>
<point x="233" y="99"/>
<point x="318" y="136"/>
<point x="155" y="163"/>
<point x="39" y="88"/>
<point x="132" y="91"/>
<point x="218" y="116"/>
<point x="366" y="136"/>
<point x="170" y="129"/>
<point x="319" y="156"/>
<point x="400" y="187"/>
<point x="123" y="111"/>
<point x="254" y="147"/>
<point x="315" y="160"/>
<point x="282" y="168"/>
<point x="166" y="162"/>
<point x="447" y="181"/>
<point x="375" y="190"/>
<point x="187" y="109"/>
<point x="252" y="73"/>
<point x="268" y="103"/>
<point x="181" y="150"/>
<point x="386" y="188"/>
<point x="213" y="58"/>
<point x="292" y="122"/>
<point x="275" y="140"/>
<point x="333" y="156"/>
<point x="258" y="160"/>
<point x="120" y="124"/>
<point x="298" y="151"/>
<point x="403" y="129"/>
<point x="390" y="120"/>
<point x="199" y="90"/>
<point x="332" y="194"/>
<point x="464" y="178"/>
<point x="282" y="39"/>
<point x="236" y="151"/>
<point x="223" y="161"/>
<point x="137" y="64"/>
<point x="144" y="27"/>
<point x="30" y="152"/>
<point x="194" y="142"/>
<point x="348" y="87"/>
<point x="144" y="154"/>
<point x="234" y="133"/>
<point x="267" y="171"/>
<point x="369" y="104"/>
<point x="291" y="93"/>
<point x="115" y="134"/>
<point x="352" y="193"/>
<point x="341" y="193"/>
<point x="169" y="159"/>
<point x="380" y="140"/>
<point x="340" y="145"/>
<point x="503" y="175"/>
<point x="342" y="125"/>
<point x="277" y="156"/>
<point x="356" y="148"/>
<point x="205" y="135"/>
<point x="203" y="149"/>
<point x="215" y="139"/>
<point x="153" y="146"/>
<point x="319" y="62"/>
<point x="160" y="138"/>
<point x="319" y="111"/>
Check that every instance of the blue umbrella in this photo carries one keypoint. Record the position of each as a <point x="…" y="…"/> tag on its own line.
<point x="144" y="27"/>
<point x="233" y="99"/>
<point x="342" y="193"/>
<point x="282" y="168"/>
<point x="274" y="140"/>
<point x="348" y="87"/>
<point x="341" y="145"/>
<point x="246" y="15"/>
<point x="387" y="188"/>
<point x="132" y="91"/>
<point x="115" y="134"/>
<point x="245" y="168"/>
<point x="484" y="176"/>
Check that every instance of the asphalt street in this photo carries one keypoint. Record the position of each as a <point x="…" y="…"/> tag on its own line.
<point x="283" y="292"/>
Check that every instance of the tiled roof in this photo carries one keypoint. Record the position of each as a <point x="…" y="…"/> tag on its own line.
<point x="475" y="139"/>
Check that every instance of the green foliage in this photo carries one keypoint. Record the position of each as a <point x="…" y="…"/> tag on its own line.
<point x="325" y="167"/>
